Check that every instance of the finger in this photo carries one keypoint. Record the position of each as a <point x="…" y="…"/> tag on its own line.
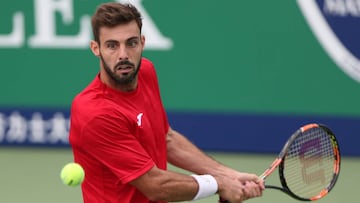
<point x="250" y="177"/>
<point x="262" y="185"/>
<point x="252" y="189"/>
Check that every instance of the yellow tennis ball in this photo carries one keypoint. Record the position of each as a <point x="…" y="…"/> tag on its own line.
<point x="72" y="174"/>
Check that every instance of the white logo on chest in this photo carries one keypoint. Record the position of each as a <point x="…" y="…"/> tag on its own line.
<point x="139" y="116"/>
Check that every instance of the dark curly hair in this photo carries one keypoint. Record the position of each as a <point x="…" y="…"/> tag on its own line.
<point x="113" y="14"/>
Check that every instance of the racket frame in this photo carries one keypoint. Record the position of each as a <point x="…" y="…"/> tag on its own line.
<point x="280" y="161"/>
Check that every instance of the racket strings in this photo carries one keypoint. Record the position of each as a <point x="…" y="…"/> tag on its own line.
<point x="311" y="155"/>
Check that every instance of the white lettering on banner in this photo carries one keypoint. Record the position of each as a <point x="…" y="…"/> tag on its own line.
<point x="45" y="35"/>
<point x="3" y="125"/>
<point x="16" y="129"/>
<point x="37" y="127"/>
<point x="342" y="7"/>
<point x="45" y="28"/>
<point x="59" y="130"/>
<point x="154" y="38"/>
<point x="16" y="37"/>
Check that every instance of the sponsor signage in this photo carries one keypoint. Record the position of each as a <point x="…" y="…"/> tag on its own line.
<point x="210" y="131"/>
<point x="336" y="24"/>
<point x="237" y="73"/>
<point x="38" y="127"/>
<point x="45" y="24"/>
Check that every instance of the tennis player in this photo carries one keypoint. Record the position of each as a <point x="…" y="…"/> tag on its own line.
<point x="120" y="132"/>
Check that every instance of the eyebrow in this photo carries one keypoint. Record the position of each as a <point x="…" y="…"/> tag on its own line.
<point x="132" y="38"/>
<point x="111" y="41"/>
<point x="116" y="41"/>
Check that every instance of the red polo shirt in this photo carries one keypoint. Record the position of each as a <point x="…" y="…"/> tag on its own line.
<point x="118" y="136"/>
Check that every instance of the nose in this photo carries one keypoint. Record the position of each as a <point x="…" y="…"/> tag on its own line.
<point x="123" y="54"/>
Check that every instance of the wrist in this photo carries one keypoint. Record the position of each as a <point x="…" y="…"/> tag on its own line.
<point x="208" y="186"/>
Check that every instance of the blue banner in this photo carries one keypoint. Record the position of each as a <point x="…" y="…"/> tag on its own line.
<point x="209" y="131"/>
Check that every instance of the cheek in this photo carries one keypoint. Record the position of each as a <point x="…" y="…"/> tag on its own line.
<point x="137" y="60"/>
<point x="110" y="58"/>
<point x="137" y="54"/>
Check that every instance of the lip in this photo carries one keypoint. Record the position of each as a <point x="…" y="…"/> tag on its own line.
<point x="124" y="69"/>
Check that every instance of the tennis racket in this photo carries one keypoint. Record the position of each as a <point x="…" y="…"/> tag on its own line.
<point x="309" y="164"/>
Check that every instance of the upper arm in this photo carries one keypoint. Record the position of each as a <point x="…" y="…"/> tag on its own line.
<point x="179" y="148"/>
<point x="169" y="134"/>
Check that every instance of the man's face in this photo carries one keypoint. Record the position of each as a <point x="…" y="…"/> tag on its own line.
<point x="120" y="52"/>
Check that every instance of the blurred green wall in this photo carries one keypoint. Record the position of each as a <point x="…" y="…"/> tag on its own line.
<point x="242" y="56"/>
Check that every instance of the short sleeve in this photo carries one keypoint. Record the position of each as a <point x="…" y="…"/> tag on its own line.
<point x="109" y="140"/>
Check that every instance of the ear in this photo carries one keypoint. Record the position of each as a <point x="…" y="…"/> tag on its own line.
<point x="143" y="42"/>
<point x="95" y="48"/>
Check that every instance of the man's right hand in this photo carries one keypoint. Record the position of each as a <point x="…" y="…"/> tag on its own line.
<point x="239" y="187"/>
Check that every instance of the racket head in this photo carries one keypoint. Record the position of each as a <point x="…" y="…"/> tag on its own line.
<point x="310" y="163"/>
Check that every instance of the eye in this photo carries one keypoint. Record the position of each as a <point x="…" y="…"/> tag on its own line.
<point x="132" y="42"/>
<point x="112" y="45"/>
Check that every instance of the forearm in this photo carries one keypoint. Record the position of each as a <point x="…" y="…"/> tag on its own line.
<point x="231" y="183"/>
<point x="183" y="154"/>
<point x="162" y="185"/>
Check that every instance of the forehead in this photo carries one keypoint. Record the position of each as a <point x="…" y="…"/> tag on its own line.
<point x="120" y="32"/>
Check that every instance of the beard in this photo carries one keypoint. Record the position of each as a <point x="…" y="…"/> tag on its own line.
<point x="123" y="79"/>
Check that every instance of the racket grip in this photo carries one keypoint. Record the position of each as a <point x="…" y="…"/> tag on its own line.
<point x="221" y="200"/>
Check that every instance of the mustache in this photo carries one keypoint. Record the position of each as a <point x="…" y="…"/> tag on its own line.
<point x="126" y="62"/>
